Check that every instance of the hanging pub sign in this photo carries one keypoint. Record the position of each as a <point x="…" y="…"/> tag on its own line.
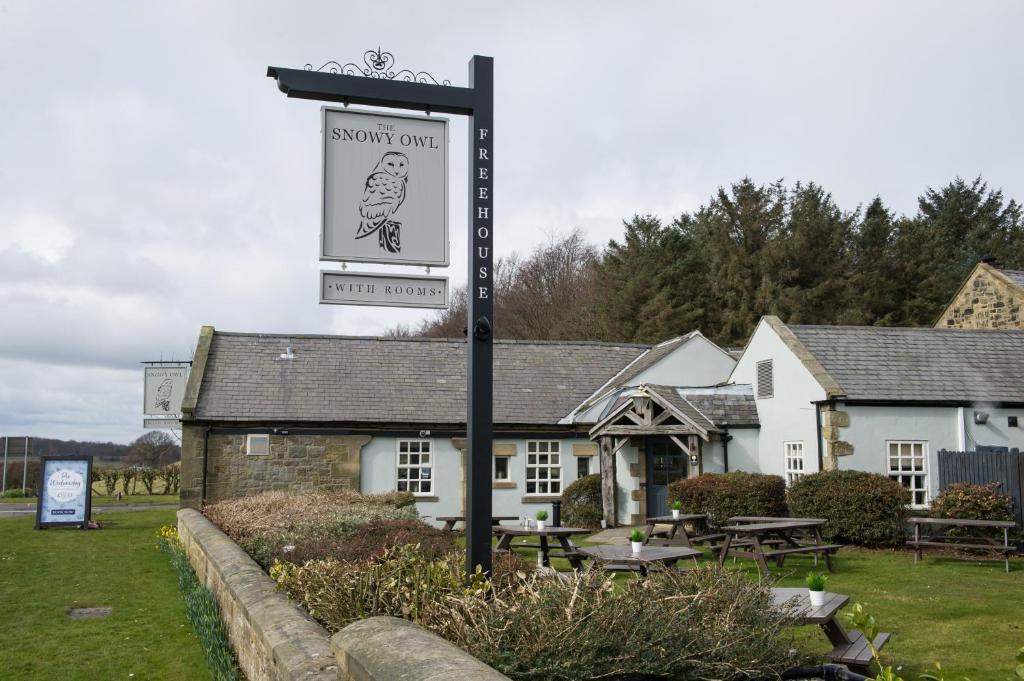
<point x="163" y="389"/>
<point x="385" y="188"/>
<point x="392" y="290"/>
<point x="65" y="491"/>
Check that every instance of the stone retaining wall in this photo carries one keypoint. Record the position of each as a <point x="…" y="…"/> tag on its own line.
<point x="274" y="639"/>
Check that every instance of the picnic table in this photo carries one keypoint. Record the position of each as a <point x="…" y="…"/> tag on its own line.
<point x="849" y="649"/>
<point x="623" y="558"/>
<point x="450" y="520"/>
<point x="761" y="540"/>
<point x="568" y="551"/>
<point x="677" y="534"/>
<point x="940" y="536"/>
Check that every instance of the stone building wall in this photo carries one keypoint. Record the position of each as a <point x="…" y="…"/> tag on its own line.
<point x="986" y="301"/>
<point x="295" y="463"/>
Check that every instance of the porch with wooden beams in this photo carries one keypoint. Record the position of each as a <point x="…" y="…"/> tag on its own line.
<point x="646" y="413"/>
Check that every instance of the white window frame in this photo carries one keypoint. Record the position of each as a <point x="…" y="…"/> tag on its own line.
<point x="795" y="461"/>
<point x="910" y="474"/>
<point x="544" y="476"/>
<point x="249" y="444"/>
<point x="414" y="476"/>
<point x="508" y="469"/>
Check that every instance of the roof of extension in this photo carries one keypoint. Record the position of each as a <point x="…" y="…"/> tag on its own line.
<point x="712" y="407"/>
<point x="347" y="379"/>
<point x="914" y="364"/>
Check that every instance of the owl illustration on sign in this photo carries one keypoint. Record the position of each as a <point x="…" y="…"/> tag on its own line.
<point x="163" y="394"/>
<point x="382" y="197"/>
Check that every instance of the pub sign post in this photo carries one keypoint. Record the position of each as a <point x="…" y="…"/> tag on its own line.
<point x="378" y="84"/>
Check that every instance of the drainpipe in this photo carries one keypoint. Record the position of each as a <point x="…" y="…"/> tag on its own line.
<point x="206" y="447"/>
<point x="725" y="447"/>
<point x="821" y="453"/>
<point x="961" y="430"/>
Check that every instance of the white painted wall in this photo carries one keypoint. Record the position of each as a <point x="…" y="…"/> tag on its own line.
<point x="696" y="362"/>
<point x="872" y="427"/>
<point x="996" y="432"/>
<point x="787" y="416"/>
<point x="378" y="473"/>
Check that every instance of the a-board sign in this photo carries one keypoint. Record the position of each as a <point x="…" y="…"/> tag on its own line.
<point x="156" y="424"/>
<point x="390" y="290"/>
<point x="65" y="491"/>
<point x="385" y="188"/>
<point x="163" y="390"/>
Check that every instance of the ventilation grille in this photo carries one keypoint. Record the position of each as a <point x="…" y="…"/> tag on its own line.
<point x="765" y="380"/>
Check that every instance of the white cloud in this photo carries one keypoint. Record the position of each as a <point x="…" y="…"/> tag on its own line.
<point x="152" y="179"/>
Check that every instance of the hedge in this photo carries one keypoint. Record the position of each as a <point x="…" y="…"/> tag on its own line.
<point x="581" y="502"/>
<point x="862" y="508"/>
<point x="724" y="495"/>
<point x="975" y="502"/>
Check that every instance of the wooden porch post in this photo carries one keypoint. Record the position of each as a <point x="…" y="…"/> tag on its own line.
<point x="608" y="496"/>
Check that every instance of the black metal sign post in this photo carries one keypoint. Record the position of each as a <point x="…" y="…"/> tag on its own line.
<point x="379" y="85"/>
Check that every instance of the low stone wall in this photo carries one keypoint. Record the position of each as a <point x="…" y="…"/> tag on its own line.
<point x="389" y="648"/>
<point x="274" y="639"/>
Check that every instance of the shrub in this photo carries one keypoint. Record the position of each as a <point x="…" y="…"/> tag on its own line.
<point x="581" y="502"/>
<point x="129" y="476"/>
<point x="976" y="502"/>
<point x="148" y="477"/>
<point x="110" y="475"/>
<point x="861" y="508"/>
<point x="402" y="582"/>
<point x="18" y="473"/>
<point x="17" y="494"/>
<point x="361" y="544"/>
<point x="324" y="512"/>
<point x="171" y="476"/>
<point x="698" y="625"/>
<point x="202" y="610"/>
<point x="725" y="495"/>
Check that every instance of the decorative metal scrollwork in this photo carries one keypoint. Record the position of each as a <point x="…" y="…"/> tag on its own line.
<point x="379" y="64"/>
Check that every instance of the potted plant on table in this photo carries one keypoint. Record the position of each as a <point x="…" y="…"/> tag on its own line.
<point x="542" y="516"/>
<point x="816" y="588"/>
<point x="677" y="506"/>
<point x="636" y="540"/>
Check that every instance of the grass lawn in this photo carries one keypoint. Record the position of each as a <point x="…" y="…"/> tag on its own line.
<point x="44" y="573"/>
<point x="968" y="615"/>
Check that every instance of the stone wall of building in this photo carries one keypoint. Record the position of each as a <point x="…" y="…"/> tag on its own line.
<point x="296" y="463"/>
<point x="985" y="302"/>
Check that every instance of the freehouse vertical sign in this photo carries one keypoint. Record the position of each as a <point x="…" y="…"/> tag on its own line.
<point x="383" y="226"/>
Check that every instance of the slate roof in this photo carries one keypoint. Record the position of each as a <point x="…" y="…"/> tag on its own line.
<point x="727" y="405"/>
<point x="920" y="364"/>
<point x="680" y="403"/>
<point x="1016" y="276"/>
<point x="387" y="380"/>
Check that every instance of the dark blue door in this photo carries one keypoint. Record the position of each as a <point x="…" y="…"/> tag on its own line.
<point x="666" y="463"/>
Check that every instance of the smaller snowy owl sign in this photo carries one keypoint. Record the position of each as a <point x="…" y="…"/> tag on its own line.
<point x="385" y="188"/>
<point x="163" y="389"/>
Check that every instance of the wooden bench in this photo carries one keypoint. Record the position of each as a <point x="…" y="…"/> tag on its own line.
<point x="941" y="539"/>
<point x="857" y="653"/>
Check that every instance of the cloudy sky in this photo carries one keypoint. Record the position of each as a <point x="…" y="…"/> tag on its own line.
<point x="153" y="180"/>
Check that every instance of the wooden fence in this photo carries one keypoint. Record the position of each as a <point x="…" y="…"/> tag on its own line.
<point x="1004" y="467"/>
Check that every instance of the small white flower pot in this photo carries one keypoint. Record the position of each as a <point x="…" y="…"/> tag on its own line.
<point x="675" y="514"/>
<point x="817" y="598"/>
<point x="637" y="546"/>
<point x="541" y="524"/>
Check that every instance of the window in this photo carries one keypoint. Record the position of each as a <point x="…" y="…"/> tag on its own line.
<point x="501" y="468"/>
<point x="543" y="467"/>
<point x="257" y="445"/>
<point x="582" y="466"/>
<point x="765" y="380"/>
<point x="415" y="467"/>
<point x="794" y="461"/>
<point x="908" y="466"/>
